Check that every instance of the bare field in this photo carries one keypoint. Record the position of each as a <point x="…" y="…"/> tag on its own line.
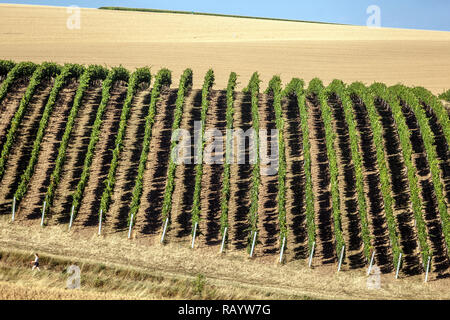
<point x="178" y="41"/>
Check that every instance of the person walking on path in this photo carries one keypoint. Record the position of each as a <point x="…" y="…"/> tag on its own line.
<point x="35" y="262"/>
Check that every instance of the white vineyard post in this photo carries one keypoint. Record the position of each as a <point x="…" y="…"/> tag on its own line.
<point x="71" y="217"/>
<point x="164" y="231"/>
<point x="371" y="262"/>
<point x="398" y="265"/>
<point x="253" y="244"/>
<point x="340" y="259"/>
<point x="100" y="222"/>
<point x="14" y="209"/>
<point x="282" y="249"/>
<point x="131" y="226"/>
<point x="193" y="236"/>
<point x="223" y="239"/>
<point x="428" y="269"/>
<point x="311" y="255"/>
<point x="43" y="212"/>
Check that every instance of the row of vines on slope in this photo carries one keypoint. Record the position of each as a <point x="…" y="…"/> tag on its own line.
<point x="23" y="69"/>
<point x="295" y="88"/>
<point x="116" y="74"/>
<point x="225" y="194"/>
<point x="380" y="91"/>
<point x="339" y="88"/>
<point x="316" y="87"/>
<point x="358" y="89"/>
<point x="427" y="135"/>
<point x="91" y="74"/>
<point x="43" y="71"/>
<point x="68" y="72"/>
<point x="440" y="116"/>
<point x="140" y="76"/>
<point x="253" y="88"/>
<point x="275" y="89"/>
<point x="163" y="78"/>
<point x="183" y="88"/>
<point x="207" y="84"/>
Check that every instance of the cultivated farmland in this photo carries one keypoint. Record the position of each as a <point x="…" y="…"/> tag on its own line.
<point x="362" y="170"/>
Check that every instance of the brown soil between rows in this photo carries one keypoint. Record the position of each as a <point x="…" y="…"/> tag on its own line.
<point x="372" y="188"/>
<point x="320" y="172"/>
<point x="213" y="168"/>
<point x="350" y="218"/>
<point x="268" y="224"/>
<point x="88" y="214"/>
<point x="75" y="153"/>
<point x="128" y="165"/>
<point x="148" y="218"/>
<point x="430" y="205"/>
<point x="9" y="106"/>
<point x="20" y="151"/>
<point x="184" y="183"/>
<point x="403" y="212"/>
<point x="297" y="240"/>
<point x="30" y="206"/>
<point x="240" y="180"/>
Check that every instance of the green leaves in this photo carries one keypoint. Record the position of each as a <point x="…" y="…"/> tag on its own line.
<point x="339" y="88"/>
<point x="6" y="66"/>
<point x="411" y="100"/>
<point x="141" y="75"/>
<point x="116" y="74"/>
<point x="91" y="74"/>
<point x="445" y="96"/>
<point x="44" y="71"/>
<point x="69" y="71"/>
<point x="368" y="99"/>
<point x="295" y="88"/>
<point x="184" y="86"/>
<point x="23" y="69"/>
<point x="253" y="88"/>
<point x="207" y="84"/>
<point x="275" y="89"/>
<point x="381" y="91"/>
<point x="316" y="87"/>
<point x="163" y="79"/>
<point x="225" y="196"/>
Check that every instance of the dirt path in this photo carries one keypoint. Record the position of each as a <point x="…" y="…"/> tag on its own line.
<point x="76" y="150"/>
<point x="183" y="193"/>
<point x="297" y="241"/>
<point x="241" y="173"/>
<point x="320" y="172"/>
<point x="20" y="151"/>
<point x="148" y="218"/>
<point x="30" y="206"/>
<point x="350" y="218"/>
<point x="127" y="168"/>
<point x="9" y="106"/>
<point x="268" y="224"/>
<point x="430" y="204"/>
<point x="442" y="150"/>
<point x="372" y="189"/>
<point x="401" y="193"/>
<point x="212" y="177"/>
<point x="90" y="203"/>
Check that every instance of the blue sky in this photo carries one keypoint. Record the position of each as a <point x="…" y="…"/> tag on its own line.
<point x="414" y="14"/>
